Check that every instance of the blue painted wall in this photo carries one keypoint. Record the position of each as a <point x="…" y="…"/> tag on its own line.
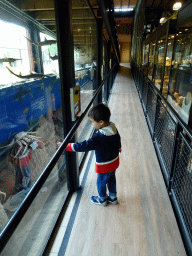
<point x="22" y="104"/>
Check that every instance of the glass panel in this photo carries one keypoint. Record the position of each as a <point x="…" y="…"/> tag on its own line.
<point x="31" y="128"/>
<point x="85" y="43"/>
<point x="31" y="234"/>
<point x="151" y="59"/>
<point x="180" y="89"/>
<point x="158" y="63"/>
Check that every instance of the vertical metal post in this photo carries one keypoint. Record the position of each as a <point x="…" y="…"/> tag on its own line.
<point x="106" y="70"/>
<point x="63" y="15"/>
<point x="113" y="70"/>
<point x="99" y="56"/>
<point x="107" y="67"/>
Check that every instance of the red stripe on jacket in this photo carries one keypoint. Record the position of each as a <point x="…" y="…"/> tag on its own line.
<point x="104" y="168"/>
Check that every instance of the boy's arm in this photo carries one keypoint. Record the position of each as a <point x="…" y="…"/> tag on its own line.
<point x="86" y="145"/>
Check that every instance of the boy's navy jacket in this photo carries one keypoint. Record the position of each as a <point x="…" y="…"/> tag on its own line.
<point x="107" y="145"/>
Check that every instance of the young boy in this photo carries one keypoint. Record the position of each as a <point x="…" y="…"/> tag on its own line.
<point x="107" y="145"/>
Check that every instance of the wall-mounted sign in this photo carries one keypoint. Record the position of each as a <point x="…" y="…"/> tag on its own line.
<point x="75" y="102"/>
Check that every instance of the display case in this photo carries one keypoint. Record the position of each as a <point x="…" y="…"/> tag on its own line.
<point x="180" y="86"/>
<point x="160" y="50"/>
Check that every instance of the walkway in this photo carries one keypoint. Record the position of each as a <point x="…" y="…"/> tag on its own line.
<point x="143" y="222"/>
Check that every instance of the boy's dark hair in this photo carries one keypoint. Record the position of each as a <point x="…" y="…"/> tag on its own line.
<point x="100" y="112"/>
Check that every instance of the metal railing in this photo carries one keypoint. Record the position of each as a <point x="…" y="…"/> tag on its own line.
<point x="172" y="140"/>
<point x="14" y="221"/>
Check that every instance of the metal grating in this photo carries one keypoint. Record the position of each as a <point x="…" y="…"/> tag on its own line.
<point x="151" y="107"/>
<point x="165" y="132"/>
<point x="182" y="182"/>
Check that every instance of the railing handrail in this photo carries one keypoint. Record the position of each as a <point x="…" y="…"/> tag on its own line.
<point x="24" y="206"/>
<point x="178" y="118"/>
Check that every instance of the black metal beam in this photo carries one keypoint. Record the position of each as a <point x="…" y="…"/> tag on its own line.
<point x="99" y="55"/>
<point x="109" y="27"/>
<point x="63" y="14"/>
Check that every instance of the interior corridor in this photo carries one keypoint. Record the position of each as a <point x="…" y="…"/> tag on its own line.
<point x="143" y="222"/>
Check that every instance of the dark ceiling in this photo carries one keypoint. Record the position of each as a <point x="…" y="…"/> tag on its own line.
<point x="43" y="12"/>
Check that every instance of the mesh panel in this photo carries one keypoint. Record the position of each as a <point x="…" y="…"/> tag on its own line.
<point x="165" y="135"/>
<point x="151" y="107"/>
<point x="182" y="183"/>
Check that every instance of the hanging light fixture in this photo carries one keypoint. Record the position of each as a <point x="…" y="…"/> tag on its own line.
<point x="177" y="6"/>
<point x="124" y="9"/>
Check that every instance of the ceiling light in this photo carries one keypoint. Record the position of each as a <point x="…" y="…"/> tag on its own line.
<point x="163" y="20"/>
<point x="129" y="9"/>
<point x="177" y="6"/>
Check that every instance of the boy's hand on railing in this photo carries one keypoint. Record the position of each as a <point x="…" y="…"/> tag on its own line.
<point x="69" y="148"/>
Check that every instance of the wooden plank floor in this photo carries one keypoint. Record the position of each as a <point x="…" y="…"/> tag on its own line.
<point x="143" y="222"/>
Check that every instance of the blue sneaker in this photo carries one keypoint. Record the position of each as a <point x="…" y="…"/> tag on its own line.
<point x="97" y="200"/>
<point x="112" y="200"/>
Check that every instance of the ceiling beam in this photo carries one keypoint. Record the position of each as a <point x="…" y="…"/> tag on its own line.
<point x="83" y="35"/>
<point x="83" y="21"/>
<point x="35" y="5"/>
<point x="42" y="15"/>
<point x="40" y="5"/>
<point x="50" y="15"/>
<point x="82" y="15"/>
<point x="85" y="26"/>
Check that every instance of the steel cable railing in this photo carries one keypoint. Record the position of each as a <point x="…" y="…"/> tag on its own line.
<point x="22" y="209"/>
